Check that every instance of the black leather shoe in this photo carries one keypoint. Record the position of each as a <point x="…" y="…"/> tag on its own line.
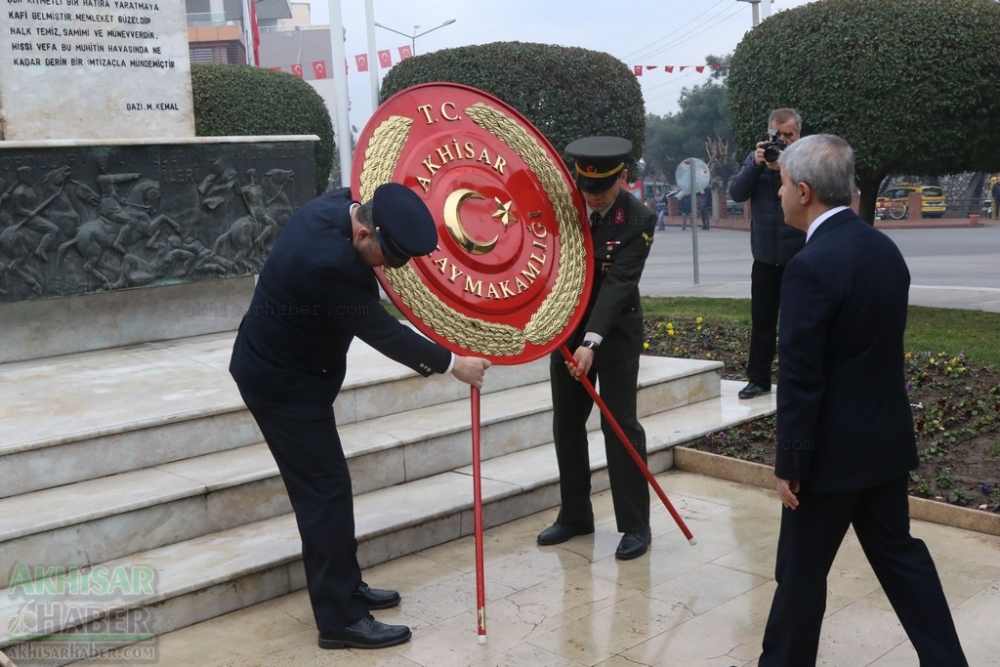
<point x="375" y="598"/>
<point x="753" y="390"/>
<point x="633" y="545"/>
<point x="366" y="633"/>
<point x="558" y="533"/>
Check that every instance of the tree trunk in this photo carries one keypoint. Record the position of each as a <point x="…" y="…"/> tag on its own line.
<point x="868" y="184"/>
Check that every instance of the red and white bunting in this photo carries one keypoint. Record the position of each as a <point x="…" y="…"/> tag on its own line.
<point x="362" y="62"/>
<point x="669" y="69"/>
<point x="405" y="52"/>
<point x="385" y="58"/>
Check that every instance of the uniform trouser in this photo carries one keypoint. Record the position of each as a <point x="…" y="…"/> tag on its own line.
<point x="304" y="442"/>
<point x="809" y="539"/>
<point x="765" y="297"/>
<point x="571" y="406"/>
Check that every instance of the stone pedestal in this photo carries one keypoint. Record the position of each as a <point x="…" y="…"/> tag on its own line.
<point x="117" y="225"/>
<point x="107" y="245"/>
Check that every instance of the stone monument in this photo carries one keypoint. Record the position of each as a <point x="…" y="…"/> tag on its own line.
<point x="117" y="224"/>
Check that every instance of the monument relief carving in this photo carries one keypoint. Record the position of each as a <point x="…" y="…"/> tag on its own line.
<point x="81" y="220"/>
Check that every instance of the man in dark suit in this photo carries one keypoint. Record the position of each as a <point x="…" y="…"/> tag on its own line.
<point x="606" y="345"/>
<point x="845" y="431"/>
<point x="316" y="292"/>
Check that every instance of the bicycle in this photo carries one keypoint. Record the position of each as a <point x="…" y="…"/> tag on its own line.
<point x="897" y="210"/>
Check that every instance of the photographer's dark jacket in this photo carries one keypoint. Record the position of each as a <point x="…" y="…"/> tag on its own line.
<point x="771" y="240"/>
<point x="314" y="295"/>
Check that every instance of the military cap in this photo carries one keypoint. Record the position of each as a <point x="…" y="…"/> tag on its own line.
<point x="599" y="161"/>
<point x="403" y="225"/>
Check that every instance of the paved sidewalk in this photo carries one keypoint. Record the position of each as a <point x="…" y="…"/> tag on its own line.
<point x="574" y="604"/>
<point x="933" y="296"/>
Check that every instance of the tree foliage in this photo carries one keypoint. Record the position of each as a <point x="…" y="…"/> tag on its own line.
<point x="703" y="117"/>
<point x="911" y="84"/>
<point x="565" y="92"/>
<point x="240" y="100"/>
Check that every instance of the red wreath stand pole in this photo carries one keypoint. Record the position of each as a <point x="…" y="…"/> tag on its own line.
<point x="477" y="518"/>
<point x="630" y="448"/>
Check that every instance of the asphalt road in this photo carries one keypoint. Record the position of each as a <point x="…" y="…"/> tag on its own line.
<point x="949" y="268"/>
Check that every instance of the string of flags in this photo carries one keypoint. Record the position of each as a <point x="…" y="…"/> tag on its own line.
<point x="669" y="69"/>
<point x="360" y="63"/>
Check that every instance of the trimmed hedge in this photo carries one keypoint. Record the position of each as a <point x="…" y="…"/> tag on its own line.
<point x="565" y="92"/>
<point x="240" y="100"/>
<point x="911" y="84"/>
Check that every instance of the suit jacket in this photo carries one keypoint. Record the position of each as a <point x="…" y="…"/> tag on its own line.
<point x="844" y="420"/>
<point x="621" y="245"/>
<point x="313" y="296"/>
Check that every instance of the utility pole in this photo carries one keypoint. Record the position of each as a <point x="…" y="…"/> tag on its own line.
<point x="761" y="9"/>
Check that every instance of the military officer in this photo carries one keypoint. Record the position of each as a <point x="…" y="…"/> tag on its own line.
<point x="315" y="293"/>
<point x="606" y="345"/>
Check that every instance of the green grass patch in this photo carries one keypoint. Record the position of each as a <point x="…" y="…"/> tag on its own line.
<point x="970" y="332"/>
<point x="735" y="311"/>
<point x="974" y="333"/>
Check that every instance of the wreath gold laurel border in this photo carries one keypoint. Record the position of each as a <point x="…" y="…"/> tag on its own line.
<point x="381" y="157"/>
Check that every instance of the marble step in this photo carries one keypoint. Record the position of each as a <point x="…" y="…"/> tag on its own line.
<point x="207" y="576"/>
<point x="111" y="517"/>
<point x="94" y="414"/>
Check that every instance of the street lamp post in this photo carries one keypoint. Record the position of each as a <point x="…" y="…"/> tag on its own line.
<point x="413" y="37"/>
<point x="760" y="7"/>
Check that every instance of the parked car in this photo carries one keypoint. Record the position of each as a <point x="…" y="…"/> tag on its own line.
<point x="734" y="207"/>
<point x="932" y="203"/>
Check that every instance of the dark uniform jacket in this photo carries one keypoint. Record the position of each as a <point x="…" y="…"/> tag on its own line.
<point x="844" y="419"/>
<point x="314" y="295"/>
<point x="621" y="245"/>
<point x="771" y="240"/>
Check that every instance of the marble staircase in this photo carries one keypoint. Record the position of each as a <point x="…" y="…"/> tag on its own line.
<point x="143" y="459"/>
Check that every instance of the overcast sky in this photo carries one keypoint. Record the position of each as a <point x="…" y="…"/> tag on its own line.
<point x="638" y="32"/>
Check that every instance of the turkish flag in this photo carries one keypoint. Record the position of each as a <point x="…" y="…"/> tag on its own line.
<point x="684" y="67"/>
<point x="651" y="66"/>
<point x="319" y="69"/>
<point x="716" y="67"/>
<point x="362" y="62"/>
<point x="405" y="52"/>
<point x="669" y="69"/>
<point x="255" y="33"/>
<point x="700" y="69"/>
<point x="638" y="70"/>
<point x="385" y="58"/>
<point x="297" y="70"/>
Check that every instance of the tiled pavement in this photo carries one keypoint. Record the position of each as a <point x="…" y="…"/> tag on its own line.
<point x="574" y="604"/>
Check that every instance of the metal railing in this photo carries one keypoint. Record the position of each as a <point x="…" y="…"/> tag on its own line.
<point x="208" y="20"/>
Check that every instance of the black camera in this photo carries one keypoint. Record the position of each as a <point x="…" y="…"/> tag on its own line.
<point x="773" y="147"/>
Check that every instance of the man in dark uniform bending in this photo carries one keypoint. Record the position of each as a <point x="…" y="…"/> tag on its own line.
<point x="316" y="292"/>
<point x="606" y="345"/>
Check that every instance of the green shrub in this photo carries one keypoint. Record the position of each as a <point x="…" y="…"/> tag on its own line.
<point x="565" y="92"/>
<point x="240" y="100"/>
<point x="910" y="84"/>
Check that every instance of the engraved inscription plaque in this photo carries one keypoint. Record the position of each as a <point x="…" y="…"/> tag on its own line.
<point x="94" y="69"/>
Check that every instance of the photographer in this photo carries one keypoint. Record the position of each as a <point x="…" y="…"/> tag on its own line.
<point x="772" y="243"/>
